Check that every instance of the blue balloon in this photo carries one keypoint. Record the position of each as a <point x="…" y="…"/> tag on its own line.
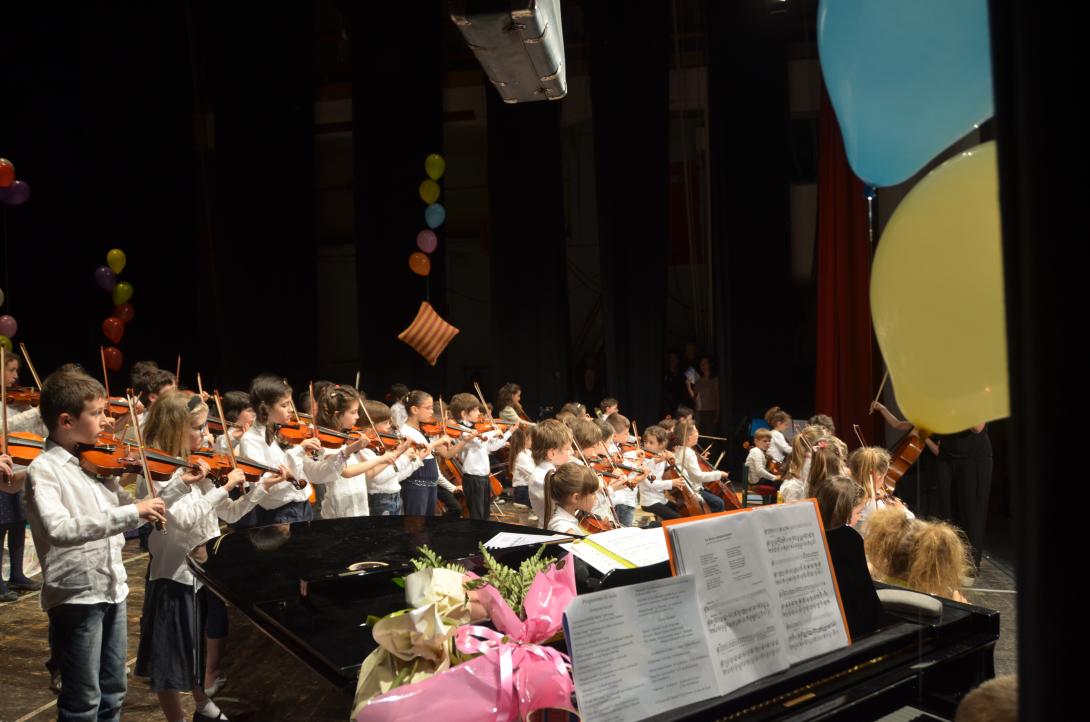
<point x="907" y="79"/>
<point x="434" y="215"/>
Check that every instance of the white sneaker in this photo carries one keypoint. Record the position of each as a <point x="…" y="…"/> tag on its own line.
<point x="532" y="517"/>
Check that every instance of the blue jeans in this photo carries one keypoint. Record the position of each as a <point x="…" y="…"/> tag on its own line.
<point x="89" y="642"/>
<point x="384" y="504"/>
<point x="625" y="514"/>
<point x="714" y="502"/>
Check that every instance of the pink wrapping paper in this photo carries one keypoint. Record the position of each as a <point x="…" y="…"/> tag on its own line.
<point x="512" y="678"/>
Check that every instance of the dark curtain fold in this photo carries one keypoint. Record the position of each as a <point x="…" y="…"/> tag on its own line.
<point x="750" y="204"/>
<point x="528" y="252"/>
<point x="846" y="355"/>
<point x="630" y="93"/>
<point x="397" y="120"/>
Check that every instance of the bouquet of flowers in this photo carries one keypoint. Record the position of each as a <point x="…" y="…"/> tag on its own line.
<point x="432" y="659"/>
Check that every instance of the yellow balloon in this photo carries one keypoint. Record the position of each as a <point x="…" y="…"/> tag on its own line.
<point x="5" y="342"/>
<point x="429" y="191"/>
<point x="937" y="297"/>
<point x="115" y="259"/>
<point x="122" y="293"/>
<point x="434" y="166"/>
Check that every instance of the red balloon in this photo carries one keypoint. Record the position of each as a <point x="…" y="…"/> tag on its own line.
<point x="113" y="328"/>
<point x="125" y="312"/>
<point x="114" y="359"/>
<point x="7" y="173"/>
<point x="420" y="263"/>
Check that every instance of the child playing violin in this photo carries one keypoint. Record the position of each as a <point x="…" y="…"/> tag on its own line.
<point x="779" y="421"/>
<point x="175" y="425"/>
<point x="591" y="443"/>
<point x="384" y="472"/>
<point x="520" y="465"/>
<point x="476" y="467"/>
<point x="570" y="490"/>
<point x="270" y="397"/>
<point x="756" y="461"/>
<point x="685" y="437"/>
<point x="625" y="497"/>
<point x="653" y="492"/>
<point x="550" y="444"/>
<point x="77" y="523"/>
<point x="419" y="491"/>
<point x="238" y="418"/>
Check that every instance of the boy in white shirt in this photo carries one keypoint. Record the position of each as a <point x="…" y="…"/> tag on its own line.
<point x="77" y="522"/>
<point x="550" y="442"/>
<point x="756" y="468"/>
<point x="476" y="467"/>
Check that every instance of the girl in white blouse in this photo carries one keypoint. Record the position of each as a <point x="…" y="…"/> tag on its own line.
<point x="685" y="437"/>
<point x="570" y="491"/>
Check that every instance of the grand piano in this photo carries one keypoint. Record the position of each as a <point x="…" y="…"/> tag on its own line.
<point x="311" y="586"/>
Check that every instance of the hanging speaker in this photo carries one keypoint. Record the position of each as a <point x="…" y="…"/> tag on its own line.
<point x="519" y="43"/>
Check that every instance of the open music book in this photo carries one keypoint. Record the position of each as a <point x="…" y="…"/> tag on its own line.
<point x="754" y="593"/>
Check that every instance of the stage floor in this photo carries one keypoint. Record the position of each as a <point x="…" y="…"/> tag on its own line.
<point x="260" y="687"/>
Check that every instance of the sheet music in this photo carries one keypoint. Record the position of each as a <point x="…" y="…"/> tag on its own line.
<point x="802" y="581"/>
<point x="642" y="547"/>
<point x="639" y="650"/>
<point x="594" y="557"/>
<point x="744" y="633"/>
<point x="506" y="539"/>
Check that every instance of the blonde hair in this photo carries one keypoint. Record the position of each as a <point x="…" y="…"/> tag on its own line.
<point x="618" y="423"/>
<point x="565" y="417"/>
<point x="762" y="434"/>
<point x="864" y="463"/>
<point x="826" y="462"/>
<point x="803" y="444"/>
<point x="586" y="433"/>
<point x="169" y="420"/>
<point x="929" y="556"/>
<point x="547" y="435"/>
<point x="565" y="480"/>
<point x="994" y="701"/>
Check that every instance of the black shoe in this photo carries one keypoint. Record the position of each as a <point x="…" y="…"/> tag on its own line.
<point x="9" y="596"/>
<point x="54" y="676"/>
<point x="26" y="585"/>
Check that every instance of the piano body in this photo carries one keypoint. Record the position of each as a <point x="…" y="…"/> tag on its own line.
<point x="310" y="586"/>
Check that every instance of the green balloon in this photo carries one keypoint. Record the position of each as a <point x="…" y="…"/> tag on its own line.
<point x="122" y="293"/>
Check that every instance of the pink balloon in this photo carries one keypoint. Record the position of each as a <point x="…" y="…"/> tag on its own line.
<point x="426" y="241"/>
<point x="8" y="326"/>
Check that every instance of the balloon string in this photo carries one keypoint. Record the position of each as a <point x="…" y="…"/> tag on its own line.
<point x="870" y="192"/>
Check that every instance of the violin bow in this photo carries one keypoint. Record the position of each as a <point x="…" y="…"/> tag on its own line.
<point x="143" y="455"/>
<point x="859" y="435"/>
<point x="882" y="386"/>
<point x="371" y="421"/>
<point x="105" y="375"/>
<point x="30" y="365"/>
<point x="612" y="509"/>
<point x="200" y="387"/>
<point x="357" y="380"/>
<point x="219" y="410"/>
<point x="178" y="371"/>
<point x="484" y="405"/>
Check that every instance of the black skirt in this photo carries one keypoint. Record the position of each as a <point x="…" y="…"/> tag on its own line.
<point x="165" y="655"/>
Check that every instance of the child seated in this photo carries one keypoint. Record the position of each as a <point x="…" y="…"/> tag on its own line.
<point x="930" y="557"/>
<point x="756" y="462"/>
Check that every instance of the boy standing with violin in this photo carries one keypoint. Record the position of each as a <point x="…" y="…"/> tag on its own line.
<point x="77" y="523"/>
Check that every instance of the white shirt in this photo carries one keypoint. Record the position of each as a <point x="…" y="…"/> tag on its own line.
<point x="387" y="480"/>
<point x="398" y="415"/>
<point x="685" y="458"/>
<point x="624" y="495"/>
<point x="755" y="464"/>
<point x="654" y="492"/>
<point x="537" y="490"/>
<point x="524" y="468"/>
<point x="27" y="421"/>
<point x="564" y="523"/>
<point x="792" y="490"/>
<point x="301" y="466"/>
<point x="474" y="454"/>
<point x="76" y="522"/>
<point x="779" y="449"/>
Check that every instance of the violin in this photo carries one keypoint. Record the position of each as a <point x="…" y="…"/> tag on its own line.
<point x="903" y="456"/>
<point x="24" y="447"/>
<point x="592" y="523"/>
<point x="24" y="396"/>
<point x="432" y="427"/>
<point x="118" y="407"/>
<point x="685" y="501"/>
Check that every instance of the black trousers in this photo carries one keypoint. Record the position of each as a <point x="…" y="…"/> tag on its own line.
<point x="478" y="495"/>
<point x="450" y="501"/>
<point x="664" y="511"/>
<point x="968" y="482"/>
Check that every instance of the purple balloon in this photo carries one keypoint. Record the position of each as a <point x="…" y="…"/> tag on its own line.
<point x="16" y="194"/>
<point x="105" y="278"/>
<point x="426" y="241"/>
<point x="8" y="326"/>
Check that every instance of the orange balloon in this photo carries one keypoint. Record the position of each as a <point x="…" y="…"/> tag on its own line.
<point x="7" y="173"/>
<point x="114" y="359"/>
<point x="420" y="263"/>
